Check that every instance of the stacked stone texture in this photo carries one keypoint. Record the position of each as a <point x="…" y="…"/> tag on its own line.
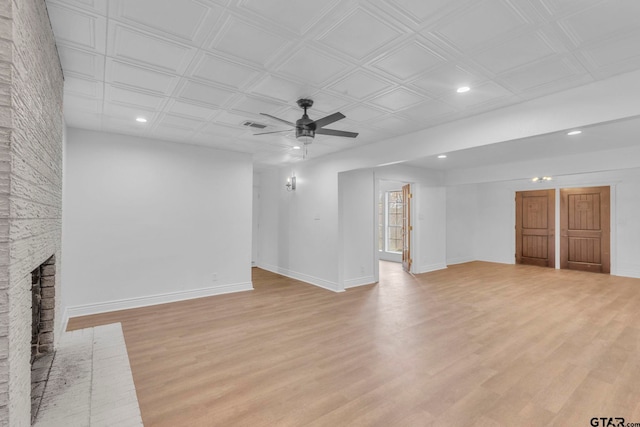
<point x="43" y="308"/>
<point x="31" y="132"/>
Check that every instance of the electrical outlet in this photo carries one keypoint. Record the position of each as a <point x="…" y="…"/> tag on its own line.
<point x="214" y="277"/>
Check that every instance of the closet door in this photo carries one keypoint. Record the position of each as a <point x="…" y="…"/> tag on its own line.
<point x="535" y="228"/>
<point x="585" y="221"/>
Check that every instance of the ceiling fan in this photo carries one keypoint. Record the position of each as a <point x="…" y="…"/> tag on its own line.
<point x="306" y="129"/>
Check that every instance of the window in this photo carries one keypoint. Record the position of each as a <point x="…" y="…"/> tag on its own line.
<point x="381" y="221"/>
<point x="395" y="209"/>
<point x="390" y="213"/>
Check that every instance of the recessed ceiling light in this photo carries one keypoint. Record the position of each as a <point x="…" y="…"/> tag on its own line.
<point x="442" y="156"/>
<point x="141" y="120"/>
<point x="296" y="147"/>
<point x="574" y="132"/>
<point x="463" y="89"/>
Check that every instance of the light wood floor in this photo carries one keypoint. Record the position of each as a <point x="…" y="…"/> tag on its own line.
<point x="477" y="344"/>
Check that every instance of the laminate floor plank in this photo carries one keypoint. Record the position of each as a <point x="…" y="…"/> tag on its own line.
<point x="476" y="344"/>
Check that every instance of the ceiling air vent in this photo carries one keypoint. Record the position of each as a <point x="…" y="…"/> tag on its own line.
<point x="254" y="125"/>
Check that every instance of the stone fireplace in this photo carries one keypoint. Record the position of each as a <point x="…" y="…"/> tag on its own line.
<point x="31" y="151"/>
<point x="43" y="296"/>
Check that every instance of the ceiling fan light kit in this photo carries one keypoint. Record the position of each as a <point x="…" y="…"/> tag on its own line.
<point x="306" y="128"/>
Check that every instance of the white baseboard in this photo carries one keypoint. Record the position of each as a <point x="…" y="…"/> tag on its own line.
<point x="316" y="281"/>
<point x="628" y="271"/>
<point x="431" y="267"/>
<point x="359" y="281"/>
<point x="460" y="260"/>
<point x="128" y="303"/>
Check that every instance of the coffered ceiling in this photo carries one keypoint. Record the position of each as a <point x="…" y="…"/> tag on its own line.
<point x="198" y="69"/>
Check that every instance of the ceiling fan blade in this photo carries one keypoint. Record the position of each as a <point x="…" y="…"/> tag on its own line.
<point x="333" y="132"/>
<point x="278" y="119"/>
<point x="328" y="120"/>
<point x="275" y="131"/>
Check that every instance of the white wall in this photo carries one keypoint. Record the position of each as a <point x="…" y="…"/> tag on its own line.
<point x="147" y="221"/>
<point x="462" y="204"/>
<point x="299" y="229"/>
<point x="357" y="210"/>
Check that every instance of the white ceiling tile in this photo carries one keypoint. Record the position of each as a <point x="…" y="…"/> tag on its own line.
<point x="190" y="110"/>
<point x="478" y="95"/>
<point x="397" y="99"/>
<point x="615" y="56"/>
<point x="362" y="113"/>
<point x="422" y="10"/>
<point x="281" y="89"/>
<point x="256" y="106"/>
<point x="248" y="41"/>
<point x="182" y="19"/>
<point x="446" y="79"/>
<point x="174" y="121"/>
<point x="84" y="87"/>
<point x="218" y="129"/>
<point x="205" y="94"/>
<point x="427" y="111"/>
<point x="218" y="70"/>
<point x="360" y="85"/>
<point x="132" y="97"/>
<point x="121" y="73"/>
<point x="94" y="6"/>
<point x="148" y="49"/>
<point x="540" y="73"/>
<point x="326" y="103"/>
<point x="561" y="7"/>
<point x="81" y="103"/>
<point x="79" y="28"/>
<point x="359" y="34"/>
<point x="603" y="20"/>
<point x="311" y="66"/>
<point x="237" y="118"/>
<point x="514" y="52"/>
<point x="296" y="16"/>
<point x="129" y="114"/>
<point x="482" y="22"/>
<point x="80" y="62"/>
<point x="409" y="60"/>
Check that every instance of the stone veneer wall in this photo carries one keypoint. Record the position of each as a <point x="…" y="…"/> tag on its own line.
<point x="31" y="133"/>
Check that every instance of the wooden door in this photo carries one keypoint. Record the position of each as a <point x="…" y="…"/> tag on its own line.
<point x="406" y="228"/>
<point x="584" y="225"/>
<point x="535" y="228"/>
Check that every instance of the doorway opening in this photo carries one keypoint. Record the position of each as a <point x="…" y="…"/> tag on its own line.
<point x="394" y="229"/>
